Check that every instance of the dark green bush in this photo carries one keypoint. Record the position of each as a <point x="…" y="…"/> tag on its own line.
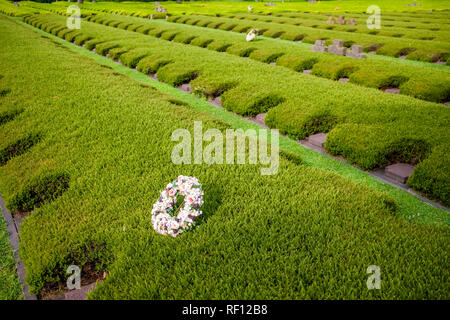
<point x="176" y="74"/>
<point x="131" y="58"/>
<point x="432" y="176"/>
<point x="151" y="64"/>
<point x="297" y="63"/>
<point x="264" y="103"/>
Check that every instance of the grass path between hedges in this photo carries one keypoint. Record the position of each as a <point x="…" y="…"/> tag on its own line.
<point x="410" y="207"/>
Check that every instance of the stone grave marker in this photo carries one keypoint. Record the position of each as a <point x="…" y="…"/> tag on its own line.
<point x="352" y="22"/>
<point x="399" y="172"/>
<point x="356" y="52"/>
<point x="319" y="46"/>
<point x="340" y="20"/>
<point x="160" y="9"/>
<point x="331" y="20"/>
<point x="337" y="47"/>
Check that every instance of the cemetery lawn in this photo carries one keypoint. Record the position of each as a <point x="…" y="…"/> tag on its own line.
<point x="104" y="148"/>
<point x="366" y="135"/>
<point x="85" y="149"/>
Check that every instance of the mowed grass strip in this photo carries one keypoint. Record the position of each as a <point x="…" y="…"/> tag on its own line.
<point x="369" y="128"/>
<point x="304" y="233"/>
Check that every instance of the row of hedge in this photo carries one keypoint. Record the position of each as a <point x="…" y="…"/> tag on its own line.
<point x="419" y="82"/>
<point x="433" y="22"/>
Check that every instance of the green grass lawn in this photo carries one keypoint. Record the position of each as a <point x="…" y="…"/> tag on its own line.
<point x="86" y="148"/>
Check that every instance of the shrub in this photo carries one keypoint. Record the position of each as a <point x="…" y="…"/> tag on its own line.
<point x="211" y="87"/>
<point x="219" y="45"/>
<point x="434" y="89"/>
<point x="432" y="176"/>
<point x="297" y="63"/>
<point x="115" y="53"/>
<point x="332" y="70"/>
<point x="241" y="49"/>
<point x="201" y="42"/>
<point x="103" y="48"/>
<point x="151" y="64"/>
<point x="131" y="58"/>
<point x="176" y="74"/>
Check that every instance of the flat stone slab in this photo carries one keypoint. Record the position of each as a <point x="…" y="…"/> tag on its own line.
<point x="79" y="294"/>
<point x="216" y="102"/>
<point x="343" y="79"/>
<point x="399" y="172"/>
<point x="307" y="71"/>
<point x="392" y="90"/>
<point x="185" y="87"/>
<point x="318" y="139"/>
<point x="260" y="118"/>
<point x="447" y="103"/>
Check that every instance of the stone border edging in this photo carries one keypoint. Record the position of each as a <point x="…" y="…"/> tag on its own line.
<point x="13" y="232"/>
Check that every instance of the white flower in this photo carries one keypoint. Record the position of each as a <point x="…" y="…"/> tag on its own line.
<point x="164" y="223"/>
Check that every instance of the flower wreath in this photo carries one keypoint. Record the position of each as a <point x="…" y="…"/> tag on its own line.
<point x="167" y="219"/>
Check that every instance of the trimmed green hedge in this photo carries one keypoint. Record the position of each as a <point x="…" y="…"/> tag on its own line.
<point x="432" y="175"/>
